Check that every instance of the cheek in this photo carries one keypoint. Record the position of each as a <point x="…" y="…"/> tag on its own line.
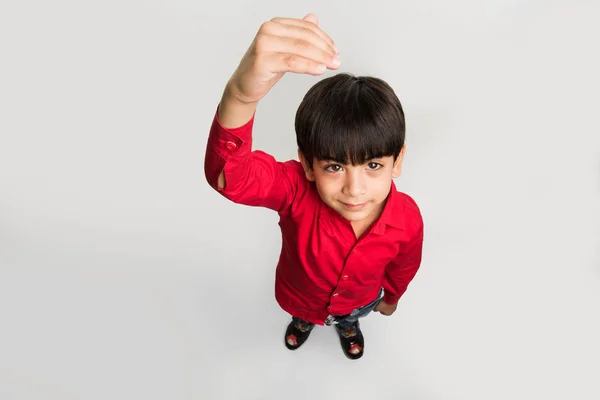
<point x="381" y="187"/>
<point x="327" y="187"/>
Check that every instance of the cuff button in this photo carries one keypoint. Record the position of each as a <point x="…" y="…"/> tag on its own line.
<point x="231" y="146"/>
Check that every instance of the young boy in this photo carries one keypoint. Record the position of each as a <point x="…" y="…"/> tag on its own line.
<point x="351" y="243"/>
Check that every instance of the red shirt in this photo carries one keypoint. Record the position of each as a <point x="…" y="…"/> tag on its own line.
<point x="323" y="269"/>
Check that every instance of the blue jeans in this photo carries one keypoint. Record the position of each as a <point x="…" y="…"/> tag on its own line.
<point x="342" y="322"/>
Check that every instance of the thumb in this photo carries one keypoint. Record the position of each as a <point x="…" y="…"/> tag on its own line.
<point x="311" y="18"/>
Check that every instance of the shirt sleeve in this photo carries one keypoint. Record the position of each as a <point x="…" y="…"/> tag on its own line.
<point x="400" y="272"/>
<point x="252" y="178"/>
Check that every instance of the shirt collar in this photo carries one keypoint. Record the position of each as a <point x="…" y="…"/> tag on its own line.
<point x="390" y="215"/>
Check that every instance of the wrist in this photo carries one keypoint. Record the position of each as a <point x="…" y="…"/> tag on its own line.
<point x="232" y="95"/>
<point x="233" y="112"/>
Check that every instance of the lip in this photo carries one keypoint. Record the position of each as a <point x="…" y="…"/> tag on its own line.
<point x="353" y="207"/>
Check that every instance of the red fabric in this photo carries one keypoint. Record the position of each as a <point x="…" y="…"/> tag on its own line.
<point x="322" y="270"/>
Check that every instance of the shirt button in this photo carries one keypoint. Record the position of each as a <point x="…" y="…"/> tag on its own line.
<point x="231" y="146"/>
<point x="345" y="277"/>
<point x="335" y="294"/>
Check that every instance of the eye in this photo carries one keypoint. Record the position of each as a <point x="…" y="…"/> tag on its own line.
<point x="333" y="168"/>
<point x="373" y="166"/>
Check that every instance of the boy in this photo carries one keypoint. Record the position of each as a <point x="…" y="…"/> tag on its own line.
<point x="351" y="243"/>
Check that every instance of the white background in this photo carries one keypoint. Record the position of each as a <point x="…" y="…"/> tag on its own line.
<point x="123" y="275"/>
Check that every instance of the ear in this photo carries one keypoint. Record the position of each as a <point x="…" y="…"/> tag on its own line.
<point x="397" y="169"/>
<point x="308" y="171"/>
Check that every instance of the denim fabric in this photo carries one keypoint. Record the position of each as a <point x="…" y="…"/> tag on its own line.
<point x="343" y="322"/>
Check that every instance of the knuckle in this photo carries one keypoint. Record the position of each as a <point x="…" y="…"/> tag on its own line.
<point x="288" y="60"/>
<point x="262" y="42"/>
<point x="301" y="44"/>
<point x="266" y="27"/>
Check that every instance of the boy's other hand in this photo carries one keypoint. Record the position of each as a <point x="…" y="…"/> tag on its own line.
<point x="385" y="308"/>
<point x="281" y="45"/>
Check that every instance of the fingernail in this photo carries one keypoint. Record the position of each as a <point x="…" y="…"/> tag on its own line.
<point x="321" y="68"/>
<point x="337" y="60"/>
<point x="337" y="51"/>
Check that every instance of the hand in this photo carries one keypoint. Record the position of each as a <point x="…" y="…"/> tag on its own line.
<point x="281" y="45"/>
<point x="385" y="308"/>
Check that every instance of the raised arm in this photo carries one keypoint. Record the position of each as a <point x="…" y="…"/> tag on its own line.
<point x="281" y="45"/>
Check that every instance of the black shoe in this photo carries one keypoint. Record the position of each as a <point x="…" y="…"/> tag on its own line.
<point x="294" y="337"/>
<point x="352" y="341"/>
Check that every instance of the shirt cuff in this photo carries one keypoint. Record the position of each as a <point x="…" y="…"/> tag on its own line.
<point x="225" y="145"/>
<point x="228" y="141"/>
<point x="388" y="298"/>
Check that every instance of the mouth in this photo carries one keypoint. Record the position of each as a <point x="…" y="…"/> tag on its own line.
<point x="353" y="207"/>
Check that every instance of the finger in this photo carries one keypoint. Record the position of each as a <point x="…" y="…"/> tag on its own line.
<point x="311" y="18"/>
<point x="304" y="49"/>
<point x="307" y="25"/>
<point x="294" y="63"/>
<point x="298" y="33"/>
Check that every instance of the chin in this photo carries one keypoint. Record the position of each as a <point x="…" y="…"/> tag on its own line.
<point x="354" y="216"/>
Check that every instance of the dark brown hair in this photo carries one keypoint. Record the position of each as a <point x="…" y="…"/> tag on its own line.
<point x="350" y="120"/>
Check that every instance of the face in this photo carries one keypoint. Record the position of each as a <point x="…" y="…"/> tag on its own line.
<point x="357" y="192"/>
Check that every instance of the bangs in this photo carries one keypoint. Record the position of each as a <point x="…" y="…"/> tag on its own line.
<point x="350" y="120"/>
<point x="354" y="140"/>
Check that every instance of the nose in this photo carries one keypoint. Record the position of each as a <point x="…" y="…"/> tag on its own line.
<point x="355" y="184"/>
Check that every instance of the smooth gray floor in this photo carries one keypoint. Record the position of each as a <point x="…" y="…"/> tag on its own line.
<point x="124" y="276"/>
